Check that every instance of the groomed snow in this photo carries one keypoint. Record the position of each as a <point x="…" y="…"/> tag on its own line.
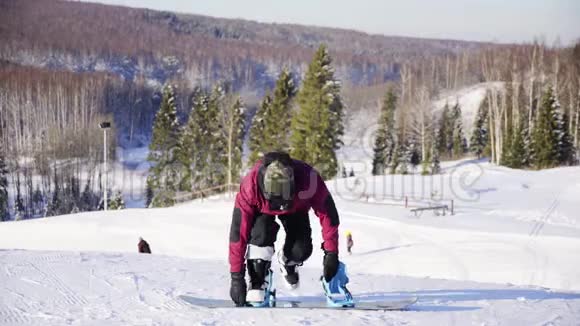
<point x="509" y="256"/>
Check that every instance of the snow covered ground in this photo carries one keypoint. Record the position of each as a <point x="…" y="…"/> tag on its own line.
<point x="509" y="256"/>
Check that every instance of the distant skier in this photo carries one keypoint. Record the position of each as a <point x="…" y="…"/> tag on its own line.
<point x="279" y="186"/>
<point x="349" y="242"/>
<point x="143" y="246"/>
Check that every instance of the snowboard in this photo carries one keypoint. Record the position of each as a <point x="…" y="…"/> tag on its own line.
<point x="377" y="305"/>
<point x="336" y="296"/>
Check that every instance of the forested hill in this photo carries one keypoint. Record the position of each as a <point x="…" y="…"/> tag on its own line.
<point x="158" y="46"/>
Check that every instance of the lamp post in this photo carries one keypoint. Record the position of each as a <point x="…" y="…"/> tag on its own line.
<point x="105" y="125"/>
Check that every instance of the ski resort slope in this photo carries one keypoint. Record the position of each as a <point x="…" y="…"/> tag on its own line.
<point x="509" y="256"/>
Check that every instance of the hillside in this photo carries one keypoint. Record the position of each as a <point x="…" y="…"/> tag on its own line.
<point x="161" y="45"/>
<point x="508" y="256"/>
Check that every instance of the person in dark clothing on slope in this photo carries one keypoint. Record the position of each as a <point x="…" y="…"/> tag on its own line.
<point x="287" y="188"/>
<point x="143" y="246"/>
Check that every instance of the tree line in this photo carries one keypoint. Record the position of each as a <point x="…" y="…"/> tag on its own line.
<point x="529" y="118"/>
<point x="51" y="145"/>
<point x="164" y="45"/>
<point x="205" y="152"/>
<point x="50" y="138"/>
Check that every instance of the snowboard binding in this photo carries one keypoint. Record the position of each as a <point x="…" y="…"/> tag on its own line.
<point x="335" y="291"/>
<point x="269" y="294"/>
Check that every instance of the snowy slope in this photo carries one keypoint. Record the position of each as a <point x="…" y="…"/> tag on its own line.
<point x="509" y="256"/>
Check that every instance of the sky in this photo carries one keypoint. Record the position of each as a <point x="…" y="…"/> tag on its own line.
<point x="477" y="20"/>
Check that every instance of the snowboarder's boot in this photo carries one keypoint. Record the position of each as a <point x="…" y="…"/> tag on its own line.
<point x="259" y="270"/>
<point x="289" y="270"/>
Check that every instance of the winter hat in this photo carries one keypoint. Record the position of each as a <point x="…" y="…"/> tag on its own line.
<point x="277" y="180"/>
<point x="277" y="176"/>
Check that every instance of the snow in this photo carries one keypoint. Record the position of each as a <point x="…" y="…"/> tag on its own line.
<point x="508" y="256"/>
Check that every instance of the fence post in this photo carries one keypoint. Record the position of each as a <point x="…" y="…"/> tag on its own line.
<point x="406" y="202"/>
<point x="452" y="207"/>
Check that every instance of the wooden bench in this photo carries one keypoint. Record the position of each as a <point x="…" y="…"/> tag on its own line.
<point x="442" y="208"/>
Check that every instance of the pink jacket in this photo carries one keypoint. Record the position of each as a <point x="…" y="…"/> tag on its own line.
<point x="310" y="192"/>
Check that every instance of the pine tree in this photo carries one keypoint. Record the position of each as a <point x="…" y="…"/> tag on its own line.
<point x="162" y="149"/>
<point x="506" y="156"/>
<point x="317" y="127"/>
<point x="480" y="135"/>
<point x="277" y="119"/>
<point x="37" y="201"/>
<point x="87" y="199"/>
<point x="258" y="130"/>
<point x="458" y="139"/>
<point x="435" y="162"/>
<point x="163" y="199"/>
<point x="404" y="157"/>
<point x="414" y="154"/>
<point x="528" y="156"/>
<point x="384" y="139"/>
<point x="518" y="149"/>
<point x="117" y="202"/>
<point x="193" y="144"/>
<point x="215" y="172"/>
<point x="149" y="192"/>
<point x="4" y="210"/>
<point x="445" y="135"/>
<point x="396" y="159"/>
<point x="234" y="131"/>
<point x="545" y="133"/>
<point x="566" y="150"/>
<point x="165" y="126"/>
<point x="29" y="203"/>
<point x="75" y="189"/>
<point x="55" y="206"/>
<point x="19" y="209"/>
<point x="271" y="123"/>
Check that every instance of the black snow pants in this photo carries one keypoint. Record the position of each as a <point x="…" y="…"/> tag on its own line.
<point x="298" y="243"/>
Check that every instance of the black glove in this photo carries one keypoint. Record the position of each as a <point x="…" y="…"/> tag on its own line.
<point x="238" y="289"/>
<point x="330" y="265"/>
